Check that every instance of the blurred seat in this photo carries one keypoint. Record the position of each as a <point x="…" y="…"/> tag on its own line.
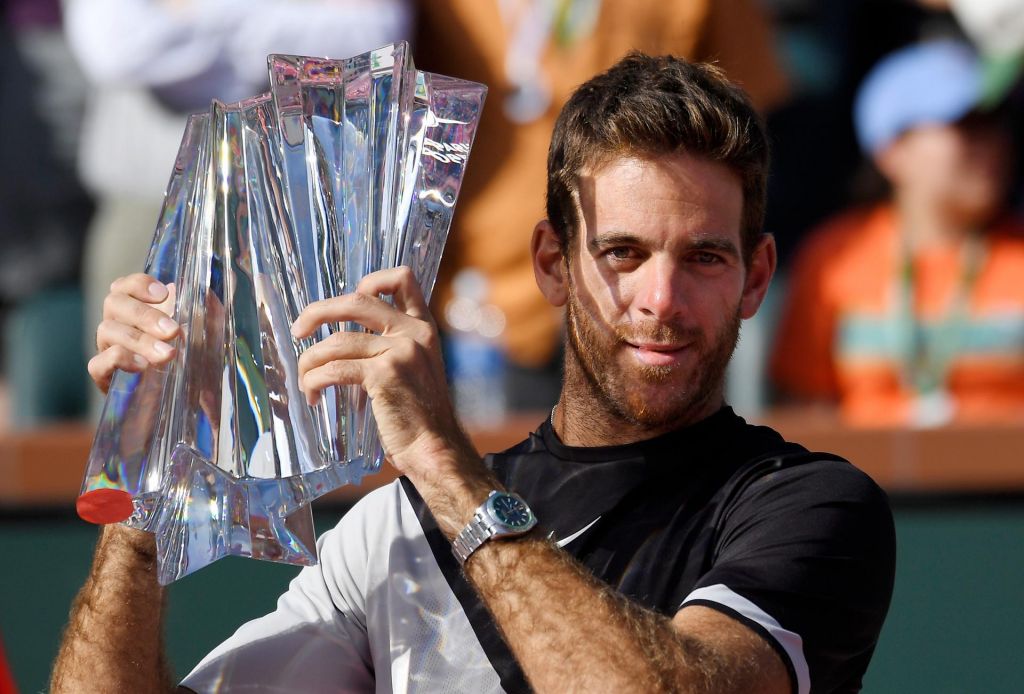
<point x="43" y="358"/>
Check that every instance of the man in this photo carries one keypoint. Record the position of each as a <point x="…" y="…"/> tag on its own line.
<point x="532" y="55"/>
<point x="912" y="311"/>
<point x="678" y="549"/>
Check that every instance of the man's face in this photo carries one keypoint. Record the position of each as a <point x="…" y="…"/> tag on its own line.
<point x="656" y="287"/>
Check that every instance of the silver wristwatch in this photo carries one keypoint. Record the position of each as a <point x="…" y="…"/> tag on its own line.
<point x="501" y="515"/>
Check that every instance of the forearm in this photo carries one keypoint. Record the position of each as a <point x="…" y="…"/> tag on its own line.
<point x="571" y="632"/>
<point x="114" y="638"/>
<point x="563" y="625"/>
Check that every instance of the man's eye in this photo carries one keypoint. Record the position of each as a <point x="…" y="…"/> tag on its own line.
<point x="706" y="258"/>
<point x="621" y="253"/>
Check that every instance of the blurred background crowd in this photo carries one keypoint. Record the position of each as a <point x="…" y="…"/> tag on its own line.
<point x="894" y="197"/>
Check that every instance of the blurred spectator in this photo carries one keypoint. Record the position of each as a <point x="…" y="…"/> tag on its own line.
<point x="43" y="213"/>
<point x="827" y="48"/>
<point x="152" y="62"/>
<point x="532" y="54"/>
<point x="912" y="311"/>
<point x="42" y="206"/>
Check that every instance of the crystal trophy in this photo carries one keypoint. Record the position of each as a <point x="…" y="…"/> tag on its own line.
<point x="345" y="167"/>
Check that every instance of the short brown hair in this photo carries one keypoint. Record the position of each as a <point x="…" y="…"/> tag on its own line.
<point x="649" y="106"/>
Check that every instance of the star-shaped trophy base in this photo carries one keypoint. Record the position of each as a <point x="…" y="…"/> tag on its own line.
<point x="207" y="514"/>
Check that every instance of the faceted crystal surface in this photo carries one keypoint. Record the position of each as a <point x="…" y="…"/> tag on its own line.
<point x="344" y="168"/>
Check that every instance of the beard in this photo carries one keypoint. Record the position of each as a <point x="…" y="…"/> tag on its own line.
<point x="643" y="395"/>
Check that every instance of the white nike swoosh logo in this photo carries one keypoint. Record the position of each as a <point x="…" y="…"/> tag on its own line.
<point x="566" y="540"/>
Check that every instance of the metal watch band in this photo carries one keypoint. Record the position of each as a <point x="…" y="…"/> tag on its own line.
<point x="472" y="536"/>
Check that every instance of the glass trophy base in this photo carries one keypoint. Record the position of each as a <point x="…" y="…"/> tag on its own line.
<point x="207" y="515"/>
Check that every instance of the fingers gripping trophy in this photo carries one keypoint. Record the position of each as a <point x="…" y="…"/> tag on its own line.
<point x="342" y="178"/>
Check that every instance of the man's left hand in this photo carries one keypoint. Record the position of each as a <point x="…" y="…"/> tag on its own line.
<point x="401" y="369"/>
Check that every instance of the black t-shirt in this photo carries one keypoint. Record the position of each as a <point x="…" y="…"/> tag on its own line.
<point x="799" y="546"/>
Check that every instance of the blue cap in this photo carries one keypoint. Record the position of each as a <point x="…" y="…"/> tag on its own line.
<point x="935" y="82"/>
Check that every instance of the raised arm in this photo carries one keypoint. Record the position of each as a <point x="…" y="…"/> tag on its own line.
<point x="567" y="630"/>
<point x="114" y="638"/>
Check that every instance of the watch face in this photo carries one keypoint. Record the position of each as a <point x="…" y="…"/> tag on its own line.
<point x="511" y="511"/>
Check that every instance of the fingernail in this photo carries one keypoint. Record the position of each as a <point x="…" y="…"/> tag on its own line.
<point x="163" y="348"/>
<point x="167" y="325"/>
<point x="295" y="331"/>
<point x="140" y="360"/>
<point x="158" y="291"/>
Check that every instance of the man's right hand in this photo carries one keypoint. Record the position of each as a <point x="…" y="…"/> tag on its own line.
<point x="136" y="331"/>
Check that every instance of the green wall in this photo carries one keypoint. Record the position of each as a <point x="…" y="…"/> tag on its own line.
<point x="954" y="625"/>
<point x="957" y="612"/>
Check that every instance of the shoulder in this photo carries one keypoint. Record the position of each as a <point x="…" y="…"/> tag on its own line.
<point x="861" y="229"/>
<point x="844" y="259"/>
<point x="386" y="499"/>
<point x="1009" y="227"/>
<point x="1006" y="239"/>
<point x="807" y="477"/>
<point x="380" y="513"/>
<point x="815" y="472"/>
<point x="804" y="546"/>
<point x="811" y="501"/>
<point x="358" y="549"/>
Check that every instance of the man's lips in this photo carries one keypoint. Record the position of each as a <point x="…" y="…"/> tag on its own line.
<point x="658" y="354"/>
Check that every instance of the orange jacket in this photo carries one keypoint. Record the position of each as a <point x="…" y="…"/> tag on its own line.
<point x="838" y="335"/>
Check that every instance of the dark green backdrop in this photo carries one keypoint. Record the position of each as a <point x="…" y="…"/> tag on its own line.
<point x="954" y="626"/>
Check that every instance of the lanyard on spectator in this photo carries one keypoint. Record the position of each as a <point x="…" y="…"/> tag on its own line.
<point x="529" y="25"/>
<point x="927" y="355"/>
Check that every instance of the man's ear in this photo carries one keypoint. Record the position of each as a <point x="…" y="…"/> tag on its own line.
<point x="759" y="275"/>
<point x="548" y="264"/>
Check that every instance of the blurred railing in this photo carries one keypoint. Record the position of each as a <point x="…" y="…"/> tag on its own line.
<point x="43" y="467"/>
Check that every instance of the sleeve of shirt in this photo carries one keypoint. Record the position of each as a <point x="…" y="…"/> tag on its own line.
<point x="806" y="557"/>
<point x="316" y="639"/>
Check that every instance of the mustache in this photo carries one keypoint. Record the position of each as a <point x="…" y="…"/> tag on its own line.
<point x="654" y="331"/>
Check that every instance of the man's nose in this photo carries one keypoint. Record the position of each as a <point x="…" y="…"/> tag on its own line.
<point x="659" y="295"/>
